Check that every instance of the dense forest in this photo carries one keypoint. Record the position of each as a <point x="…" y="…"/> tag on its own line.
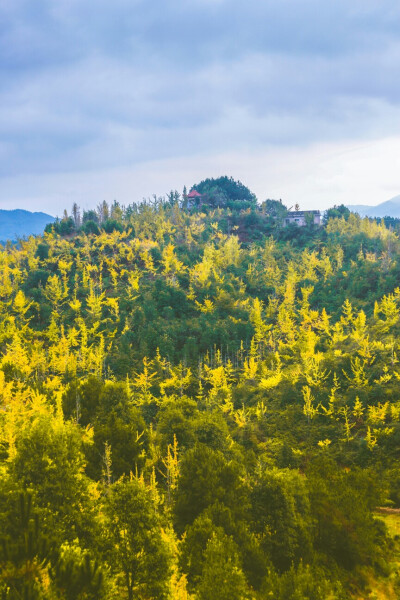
<point x="197" y="403"/>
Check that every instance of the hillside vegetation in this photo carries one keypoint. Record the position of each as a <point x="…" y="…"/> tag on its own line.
<point x="197" y="403"/>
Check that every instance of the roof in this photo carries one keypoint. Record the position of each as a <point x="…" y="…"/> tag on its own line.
<point x="301" y="213"/>
<point x="194" y="194"/>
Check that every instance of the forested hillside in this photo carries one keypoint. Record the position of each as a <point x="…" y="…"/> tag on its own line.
<point x="198" y="403"/>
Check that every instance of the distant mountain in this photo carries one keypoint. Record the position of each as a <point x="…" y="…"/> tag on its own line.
<point x="390" y="208"/>
<point x="19" y="223"/>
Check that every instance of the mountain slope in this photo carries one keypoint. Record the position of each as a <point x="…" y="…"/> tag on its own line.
<point x="252" y="387"/>
<point x="19" y="223"/>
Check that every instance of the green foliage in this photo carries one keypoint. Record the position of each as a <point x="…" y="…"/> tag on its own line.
<point x="303" y="583"/>
<point x="222" y="577"/>
<point x="219" y="518"/>
<point x="274" y="209"/>
<point x="136" y="547"/>
<point x="42" y="251"/>
<point x="341" y="503"/>
<point x="225" y="192"/>
<point x="111" y="225"/>
<point x="24" y="556"/>
<point x="337" y="212"/>
<point x="77" y="578"/>
<point x="33" y="568"/>
<point x="282" y="516"/>
<point x="64" y="227"/>
<point x="90" y="216"/>
<point x="206" y="477"/>
<point x="49" y="459"/>
<point x="90" y="227"/>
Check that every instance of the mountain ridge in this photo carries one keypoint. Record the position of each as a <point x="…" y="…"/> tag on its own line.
<point x="18" y="222"/>
<point x="389" y="208"/>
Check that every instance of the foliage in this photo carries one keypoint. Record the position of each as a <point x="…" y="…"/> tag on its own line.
<point x="198" y="402"/>
<point x="225" y="192"/>
<point x="222" y="577"/>
<point x="134" y="540"/>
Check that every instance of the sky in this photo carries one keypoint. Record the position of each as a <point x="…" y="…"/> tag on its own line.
<point x="123" y="99"/>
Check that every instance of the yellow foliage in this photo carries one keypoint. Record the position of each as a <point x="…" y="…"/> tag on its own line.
<point x="207" y="307"/>
<point x="267" y="383"/>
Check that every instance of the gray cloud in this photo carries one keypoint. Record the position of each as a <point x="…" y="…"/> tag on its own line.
<point x="86" y="86"/>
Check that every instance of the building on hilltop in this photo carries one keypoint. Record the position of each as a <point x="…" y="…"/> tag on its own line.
<point x="302" y="218"/>
<point x="194" y="194"/>
<point x="194" y="198"/>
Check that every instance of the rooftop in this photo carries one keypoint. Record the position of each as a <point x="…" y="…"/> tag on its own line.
<point x="194" y="194"/>
<point x="301" y="213"/>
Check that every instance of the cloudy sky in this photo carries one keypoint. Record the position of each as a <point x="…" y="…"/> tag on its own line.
<point x="121" y="99"/>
